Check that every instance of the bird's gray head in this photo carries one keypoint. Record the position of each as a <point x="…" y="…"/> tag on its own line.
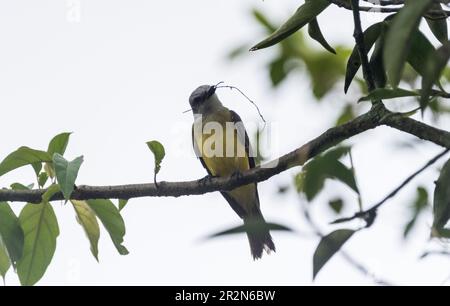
<point x="200" y="96"/>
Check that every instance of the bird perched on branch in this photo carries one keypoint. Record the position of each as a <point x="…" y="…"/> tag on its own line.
<point x="221" y="143"/>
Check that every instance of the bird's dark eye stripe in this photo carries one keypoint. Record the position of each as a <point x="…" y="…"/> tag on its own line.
<point x="211" y="91"/>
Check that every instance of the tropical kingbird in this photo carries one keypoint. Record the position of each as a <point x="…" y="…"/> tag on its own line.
<point x="221" y="143"/>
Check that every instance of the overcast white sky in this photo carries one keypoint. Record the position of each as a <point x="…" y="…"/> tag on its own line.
<point x="121" y="75"/>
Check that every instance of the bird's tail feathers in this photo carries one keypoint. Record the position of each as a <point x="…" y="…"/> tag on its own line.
<point x="258" y="235"/>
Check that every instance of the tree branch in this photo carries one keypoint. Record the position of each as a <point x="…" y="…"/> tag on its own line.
<point x="432" y="14"/>
<point x="377" y="116"/>
<point x="417" y="128"/>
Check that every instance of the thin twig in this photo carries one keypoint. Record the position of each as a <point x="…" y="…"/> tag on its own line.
<point x="370" y="214"/>
<point x="431" y="14"/>
<point x="385" y="2"/>
<point x="359" y="39"/>
<point x="245" y="96"/>
<point x="349" y="258"/>
<point x="410" y="178"/>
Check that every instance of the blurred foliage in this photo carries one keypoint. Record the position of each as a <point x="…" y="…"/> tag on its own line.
<point x="405" y="65"/>
<point x="310" y="181"/>
<point x="296" y="53"/>
<point x="417" y="208"/>
<point x="328" y="246"/>
<point x="28" y="242"/>
<point x="159" y="153"/>
<point x="441" y="203"/>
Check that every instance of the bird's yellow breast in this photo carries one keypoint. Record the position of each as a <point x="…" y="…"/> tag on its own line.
<point x="224" y="154"/>
<point x="219" y="145"/>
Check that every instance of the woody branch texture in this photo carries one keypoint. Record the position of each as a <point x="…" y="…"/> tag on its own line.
<point x="377" y="116"/>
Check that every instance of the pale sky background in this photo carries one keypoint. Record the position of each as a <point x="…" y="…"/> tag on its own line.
<point x="122" y="75"/>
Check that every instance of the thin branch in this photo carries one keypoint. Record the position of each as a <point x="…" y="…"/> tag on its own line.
<point x="359" y="39"/>
<point x="410" y="178"/>
<point x="370" y="214"/>
<point x="349" y="258"/>
<point x="385" y="2"/>
<point x="345" y="4"/>
<point x="432" y="14"/>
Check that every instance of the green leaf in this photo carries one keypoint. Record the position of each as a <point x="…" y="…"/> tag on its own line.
<point x="251" y="227"/>
<point x="66" y="173"/>
<point x="354" y="62"/>
<point x="122" y="204"/>
<point x="438" y="26"/>
<point x="11" y="233"/>
<point x="385" y="94"/>
<point x="336" y="153"/>
<point x="336" y="205"/>
<point x="316" y="34"/>
<point x="5" y="263"/>
<point x="58" y="144"/>
<point x="377" y="62"/>
<point x="262" y="20"/>
<point x="42" y="179"/>
<point x="19" y="186"/>
<point x="339" y="171"/>
<point x="435" y="65"/>
<point x="21" y="157"/>
<point x="328" y="246"/>
<point x="87" y="219"/>
<point x="304" y="14"/>
<point x="36" y="167"/>
<point x="158" y="151"/>
<point x="48" y="167"/>
<point x="441" y="233"/>
<point x="420" y="203"/>
<point x="110" y="216"/>
<point x="299" y="181"/>
<point x="40" y="226"/>
<point x="441" y="204"/>
<point x="319" y="61"/>
<point x="398" y="38"/>
<point x="51" y="191"/>
<point x="236" y="52"/>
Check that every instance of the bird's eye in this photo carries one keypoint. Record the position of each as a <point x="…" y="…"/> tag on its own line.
<point x="196" y="100"/>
